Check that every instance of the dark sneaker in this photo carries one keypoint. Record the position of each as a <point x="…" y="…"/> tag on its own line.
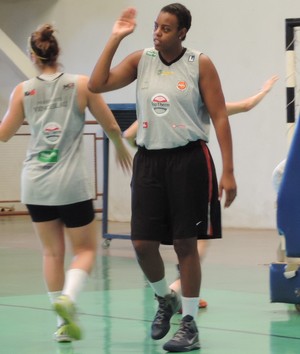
<point x="186" y="338"/>
<point x="167" y="307"/>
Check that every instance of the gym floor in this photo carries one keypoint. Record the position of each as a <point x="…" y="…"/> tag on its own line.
<point x="117" y="307"/>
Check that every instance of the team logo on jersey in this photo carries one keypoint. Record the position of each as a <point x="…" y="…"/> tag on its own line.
<point x="182" y="85"/>
<point x="145" y="125"/>
<point x="30" y="93"/>
<point x="160" y="104"/>
<point x="48" y="156"/>
<point x="191" y="58"/>
<point x="165" y="73"/>
<point x="69" y="86"/>
<point x="52" y="132"/>
<point x="151" y="53"/>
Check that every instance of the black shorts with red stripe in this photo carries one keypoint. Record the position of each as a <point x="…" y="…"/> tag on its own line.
<point x="175" y="194"/>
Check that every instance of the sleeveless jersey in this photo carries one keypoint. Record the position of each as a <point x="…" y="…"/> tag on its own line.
<point x="54" y="171"/>
<point x="170" y="109"/>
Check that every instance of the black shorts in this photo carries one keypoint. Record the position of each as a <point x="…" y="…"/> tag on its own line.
<point x="72" y="215"/>
<point x="175" y="194"/>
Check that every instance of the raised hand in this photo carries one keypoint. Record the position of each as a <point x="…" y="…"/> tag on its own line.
<point x="269" y="83"/>
<point x="126" y="23"/>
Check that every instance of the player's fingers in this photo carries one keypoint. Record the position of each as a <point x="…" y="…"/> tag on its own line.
<point x="230" y="196"/>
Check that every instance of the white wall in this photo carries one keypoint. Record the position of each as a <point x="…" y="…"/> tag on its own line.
<point x="245" y="40"/>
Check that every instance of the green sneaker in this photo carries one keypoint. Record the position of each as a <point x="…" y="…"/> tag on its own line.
<point x="62" y="334"/>
<point x="65" y="308"/>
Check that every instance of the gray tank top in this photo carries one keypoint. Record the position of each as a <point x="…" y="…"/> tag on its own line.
<point x="170" y="109"/>
<point x="54" y="171"/>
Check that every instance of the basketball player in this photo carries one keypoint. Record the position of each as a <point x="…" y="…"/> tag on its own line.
<point x="175" y="195"/>
<point x="55" y="184"/>
<point x="232" y="108"/>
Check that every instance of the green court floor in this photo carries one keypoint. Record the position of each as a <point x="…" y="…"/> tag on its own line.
<point x="117" y="307"/>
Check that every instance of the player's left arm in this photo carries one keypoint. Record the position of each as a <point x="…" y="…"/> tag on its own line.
<point x="211" y="91"/>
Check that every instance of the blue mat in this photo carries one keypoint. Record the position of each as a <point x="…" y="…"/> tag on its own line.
<point x="288" y="203"/>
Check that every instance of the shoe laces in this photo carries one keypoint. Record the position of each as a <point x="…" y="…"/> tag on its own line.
<point x="161" y="312"/>
<point x="62" y="330"/>
<point x="163" y="308"/>
<point x="182" y="331"/>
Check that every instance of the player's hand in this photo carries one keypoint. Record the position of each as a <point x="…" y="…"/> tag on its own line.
<point x="228" y="184"/>
<point x="269" y="83"/>
<point x="123" y="157"/>
<point x="126" y="23"/>
<point x="130" y="135"/>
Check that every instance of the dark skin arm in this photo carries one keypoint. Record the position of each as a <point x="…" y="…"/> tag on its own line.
<point x="104" y="78"/>
<point x="211" y="91"/>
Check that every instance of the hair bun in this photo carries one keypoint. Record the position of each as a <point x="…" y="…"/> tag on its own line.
<point x="46" y="32"/>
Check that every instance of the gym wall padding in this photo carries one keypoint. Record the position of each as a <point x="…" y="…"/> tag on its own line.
<point x="288" y="203"/>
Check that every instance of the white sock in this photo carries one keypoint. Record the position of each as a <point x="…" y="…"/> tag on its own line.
<point x="190" y="306"/>
<point x="75" y="281"/>
<point x="160" y="287"/>
<point x="176" y="286"/>
<point x="53" y="295"/>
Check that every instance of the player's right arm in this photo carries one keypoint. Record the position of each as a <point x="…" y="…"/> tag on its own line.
<point x="14" y="116"/>
<point x="130" y="133"/>
<point x="104" y="78"/>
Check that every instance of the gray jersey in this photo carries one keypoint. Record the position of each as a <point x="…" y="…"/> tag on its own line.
<point x="170" y="109"/>
<point x="54" y="171"/>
